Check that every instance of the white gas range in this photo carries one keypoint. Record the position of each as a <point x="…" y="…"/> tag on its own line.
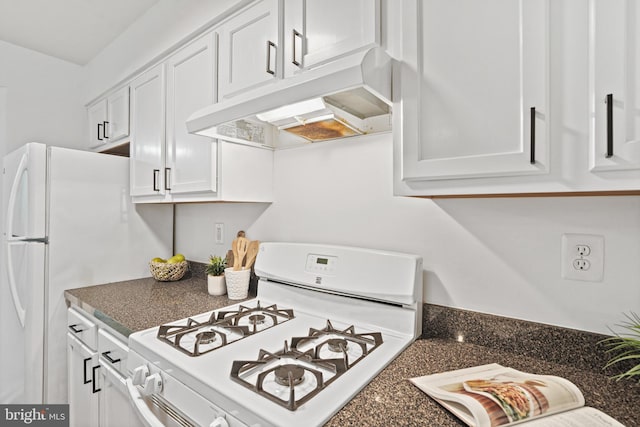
<point x="326" y="320"/>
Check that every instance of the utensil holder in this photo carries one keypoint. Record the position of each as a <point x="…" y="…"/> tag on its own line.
<point x="237" y="282"/>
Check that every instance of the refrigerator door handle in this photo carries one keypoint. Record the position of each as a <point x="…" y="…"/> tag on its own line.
<point x="22" y="168"/>
<point x="13" y="288"/>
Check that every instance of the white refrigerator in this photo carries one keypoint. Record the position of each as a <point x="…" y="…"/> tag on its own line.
<point x="68" y="223"/>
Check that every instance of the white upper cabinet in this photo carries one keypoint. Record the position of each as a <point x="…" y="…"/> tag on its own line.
<point x="614" y="85"/>
<point x="109" y="119"/>
<point x="97" y="114"/>
<point x="190" y="159"/>
<point x="249" y="49"/>
<point x="317" y="31"/>
<point x="270" y="39"/>
<point x="527" y="97"/>
<point x="474" y="89"/>
<point x="147" y="152"/>
<point x="168" y="164"/>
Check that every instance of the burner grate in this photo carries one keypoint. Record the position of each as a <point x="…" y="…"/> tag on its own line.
<point x="197" y="338"/>
<point x="295" y="374"/>
<point x="289" y="369"/>
<point x="349" y="345"/>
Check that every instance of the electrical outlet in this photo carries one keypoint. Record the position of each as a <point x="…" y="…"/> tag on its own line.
<point x="219" y="233"/>
<point x="583" y="250"/>
<point x="581" y="264"/>
<point x="583" y="257"/>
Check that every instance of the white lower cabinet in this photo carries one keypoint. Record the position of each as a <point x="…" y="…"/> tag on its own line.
<point x="83" y="383"/>
<point x="115" y="407"/>
<point x="97" y="389"/>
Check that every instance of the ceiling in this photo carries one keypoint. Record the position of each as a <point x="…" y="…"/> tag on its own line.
<point x="72" y="30"/>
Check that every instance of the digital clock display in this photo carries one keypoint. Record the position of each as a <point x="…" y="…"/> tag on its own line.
<point x="323" y="261"/>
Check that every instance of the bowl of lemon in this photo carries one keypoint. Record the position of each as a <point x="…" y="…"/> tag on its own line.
<point x="168" y="270"/>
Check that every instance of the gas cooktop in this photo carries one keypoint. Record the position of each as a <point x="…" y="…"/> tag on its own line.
<point x="326" y="320"/>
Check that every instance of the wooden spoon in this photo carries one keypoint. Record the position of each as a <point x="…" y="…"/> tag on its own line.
<point x="241" y="247"/>
<point x="234" y="250"/>
<point x="252" y="253"/>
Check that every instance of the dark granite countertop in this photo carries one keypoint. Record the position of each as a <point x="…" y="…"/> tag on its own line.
<point x="134" y="305"/>
<point x="390" y="399"/>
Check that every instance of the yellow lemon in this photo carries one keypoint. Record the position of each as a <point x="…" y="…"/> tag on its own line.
<point x="158" y="260"/>
<point x="176" y="259"/>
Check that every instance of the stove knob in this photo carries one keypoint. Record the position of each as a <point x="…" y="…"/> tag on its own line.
<point x="152" y="384"/>
<point x="219" y="422"/>
<point x="139" y="375"/>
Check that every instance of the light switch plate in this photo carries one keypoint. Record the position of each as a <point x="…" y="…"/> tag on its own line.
<point x="219" y="237"/>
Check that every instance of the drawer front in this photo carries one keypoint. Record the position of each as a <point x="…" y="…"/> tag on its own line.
<point x="82" y="328"/>
<point x="113" y="352"/>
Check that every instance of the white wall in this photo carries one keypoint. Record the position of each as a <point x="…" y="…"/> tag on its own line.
<point x="166" y="24"/>
<point x="44" y="99"/>
<point x="499" y="256"/>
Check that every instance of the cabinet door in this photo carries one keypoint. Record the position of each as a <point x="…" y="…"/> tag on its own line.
<point x="191" y="159"/>
<point x="97" y="116"/>
<point x="615" y="85"/>
<point x="249" y="51"/>
<point x="317" y="31"/>
<point x="115" y="407"/>
<point x="474" y="89"/>
<point x="118" y="115"/>
<point x="83" y="379"/>
<point x="147" y="148"/>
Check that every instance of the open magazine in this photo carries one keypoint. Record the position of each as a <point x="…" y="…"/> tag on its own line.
<point x="493" y="395"/>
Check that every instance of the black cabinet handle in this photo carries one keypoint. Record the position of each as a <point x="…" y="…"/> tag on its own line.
<point x="269" y="45"/>
<point x="106" y="356"/>
<point x="156" y="172"/>
<point x="294" y="60"/>
<point x="609" y="102"/>
<point x="167" y="178"/>
<point x="99" y="126"/>
<point x="104" y="129"/>
<point x="75" y="329"/>
<point x="532" y="148"/>
<point x="84" y="371"/>
<point x="93" y="377"/>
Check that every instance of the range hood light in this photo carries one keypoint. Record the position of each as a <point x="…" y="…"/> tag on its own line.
<point x="302" y="121"/>
<point x="292" y="110"/>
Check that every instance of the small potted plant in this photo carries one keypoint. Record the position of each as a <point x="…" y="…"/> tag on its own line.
<point x="215" y="275"/>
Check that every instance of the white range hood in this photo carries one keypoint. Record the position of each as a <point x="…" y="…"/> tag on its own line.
<point x="346" y="97"/>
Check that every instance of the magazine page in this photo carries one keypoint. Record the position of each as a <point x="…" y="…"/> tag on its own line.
<point x="581" y="417"/>
<point x="493" y="395"/>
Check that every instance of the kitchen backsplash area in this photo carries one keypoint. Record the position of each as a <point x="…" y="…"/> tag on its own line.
<point x="496" y="256"/>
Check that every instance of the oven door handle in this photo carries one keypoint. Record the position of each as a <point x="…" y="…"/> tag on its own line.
<point x="142" y="410"/>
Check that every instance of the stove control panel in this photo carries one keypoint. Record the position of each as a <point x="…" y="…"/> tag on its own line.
<point x="321" y="264"/>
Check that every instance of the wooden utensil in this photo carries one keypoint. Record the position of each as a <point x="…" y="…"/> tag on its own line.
<point x="241" y="247"/>
<point x="234" y="250"/>
<point x="252" y="253"/>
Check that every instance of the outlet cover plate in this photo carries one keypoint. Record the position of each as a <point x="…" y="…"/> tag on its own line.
<point x="571" y="252"/>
